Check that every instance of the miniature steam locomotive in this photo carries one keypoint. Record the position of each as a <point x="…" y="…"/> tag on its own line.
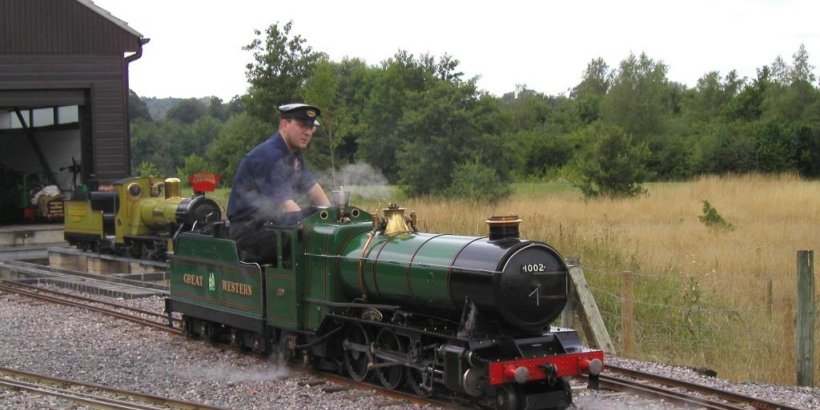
<point x="138" y="218"/>
<point x="461" y="317"/>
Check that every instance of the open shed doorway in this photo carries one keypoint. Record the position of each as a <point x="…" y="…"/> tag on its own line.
<point x="44" y="147"/>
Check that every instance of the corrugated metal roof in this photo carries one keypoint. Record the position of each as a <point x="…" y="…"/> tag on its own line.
<point x="105" y="13"/>
<point x="63" y="27"/>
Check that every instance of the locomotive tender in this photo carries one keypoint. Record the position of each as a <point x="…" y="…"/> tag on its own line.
<point x="441" y="315"/>
<point x="136" y="218"/>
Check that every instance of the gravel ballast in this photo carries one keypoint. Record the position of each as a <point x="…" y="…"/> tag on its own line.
<point x="79" y="345"/>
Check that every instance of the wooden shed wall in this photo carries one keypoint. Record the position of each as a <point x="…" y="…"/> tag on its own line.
<point x="66" y="45"/>
<point x="101" y="77"/>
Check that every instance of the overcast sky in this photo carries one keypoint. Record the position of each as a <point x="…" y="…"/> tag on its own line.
<point x="196" y="45"/>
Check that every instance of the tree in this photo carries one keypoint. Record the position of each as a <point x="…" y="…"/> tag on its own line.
<point x="203" y="132"/>
<point x="538" y="151"/>
<point x="241" y="133"/>
<point x="217" y="109"/>
<point x="638" y="99"/>
<point x="748" y="104"/>
<point x="149" y="145"/>
<point x="354" y="86"/>
<point x="724" y="147"/>
<point x="801" y="71"/>
<point x="397" y="86"/>
<point x="477" y="182"/>
<point x="280" y="65"/>
<point x="451" y="125"/>
<point x="597" y="79"/>
<point x="320" y="89"/>
<point x="187" y="111"/>
<point x="526" y="108"/>
<point x="711" y="96"/>
<point x="137" y="109"/>
<point x="612" y="165"/>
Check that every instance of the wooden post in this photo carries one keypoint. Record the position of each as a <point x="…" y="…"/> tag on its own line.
<point x="591" y="318"/>
<point x="769" y="297"/>
<point x="805" y="318"/>
<point x="627" y="313"/>
<point x="568" y="314"/>
<point x="788" y="331"/>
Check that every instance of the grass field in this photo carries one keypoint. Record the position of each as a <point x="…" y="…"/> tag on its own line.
<point x="705" y="297"/>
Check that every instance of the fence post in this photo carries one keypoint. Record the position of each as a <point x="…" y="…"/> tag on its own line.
<point x="805" y="318"/>
<point x="568" y="314"/>
<point x="591" y="319"/>
<point x="769" y="297"/>
<point x="627" y="313"/>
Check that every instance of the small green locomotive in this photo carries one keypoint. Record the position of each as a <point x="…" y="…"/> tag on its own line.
<point x="138" y="217"/>
<point x="367" y="295"/>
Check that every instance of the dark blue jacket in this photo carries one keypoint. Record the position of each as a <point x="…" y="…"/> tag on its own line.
<point x="267" y="176"/>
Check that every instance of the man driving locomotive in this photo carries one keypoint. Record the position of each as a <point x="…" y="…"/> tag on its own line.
<point x="271" y="182"/>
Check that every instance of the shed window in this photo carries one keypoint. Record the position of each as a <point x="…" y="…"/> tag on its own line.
<point x="40" y="117"/>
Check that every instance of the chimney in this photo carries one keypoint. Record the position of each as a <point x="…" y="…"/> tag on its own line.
<point x="503" y="227"/>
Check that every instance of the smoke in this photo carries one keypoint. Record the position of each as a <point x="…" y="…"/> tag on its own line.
<point x="360" y="179"/>
<point x="229" y="374"/>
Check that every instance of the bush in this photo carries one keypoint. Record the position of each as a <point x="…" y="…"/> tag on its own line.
<point x="475" y="182"/>
<point x="613" y="166"/>
<point x="146" y="168"/>
<point x="193" y="164"/>
<point x="713" y="219"/>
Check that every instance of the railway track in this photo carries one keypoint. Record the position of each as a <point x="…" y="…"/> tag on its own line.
<point x="614" y="377"/>
<point x="347" y="383"/>
<point x="159" y="321"/>
<point x="38" y="270"/>
<point x="88" y="394"/>
<point x="682" y="392"/>
<point x="139" y="316"/>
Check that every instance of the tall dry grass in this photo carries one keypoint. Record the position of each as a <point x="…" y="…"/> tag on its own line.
<point x="705" y="297"/>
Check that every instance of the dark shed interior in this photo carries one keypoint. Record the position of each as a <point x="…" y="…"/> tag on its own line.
<point x="63" y="99"/>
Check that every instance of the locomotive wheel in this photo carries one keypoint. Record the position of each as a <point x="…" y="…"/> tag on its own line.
<point x="146" y="251"/>
<point x="507" y="398"/>
<point x="357" y="356"/>
<point x="236" y="338"/>
<point x="286" y="341"/>
<point x="391" y="377"/>
<point x="418" y="379"/>
<point x="135" y="250"/>
<point x="189" y="326"/>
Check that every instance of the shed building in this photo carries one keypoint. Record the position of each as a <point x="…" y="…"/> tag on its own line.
<point x="63" y="97"/>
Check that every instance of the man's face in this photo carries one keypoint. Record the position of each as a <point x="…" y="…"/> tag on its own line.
<point x="296" y="133"/>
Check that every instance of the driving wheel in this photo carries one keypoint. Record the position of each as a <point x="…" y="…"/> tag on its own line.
<point x="356" y="351"/>
<point x="388" y="342"/>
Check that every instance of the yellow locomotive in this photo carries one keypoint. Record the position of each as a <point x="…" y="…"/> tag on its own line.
<point x="138" y="217"/>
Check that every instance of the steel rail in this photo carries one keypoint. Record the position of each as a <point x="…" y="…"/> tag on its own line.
<point x="51" y="271"/>
<point x="390" y="393"/>
<point x="35" y="382"/>
<point x="641" y="389"/>
<point x="90" y="300"/>
<point x="700" y="388"/>
<point x="109" y="312"/>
